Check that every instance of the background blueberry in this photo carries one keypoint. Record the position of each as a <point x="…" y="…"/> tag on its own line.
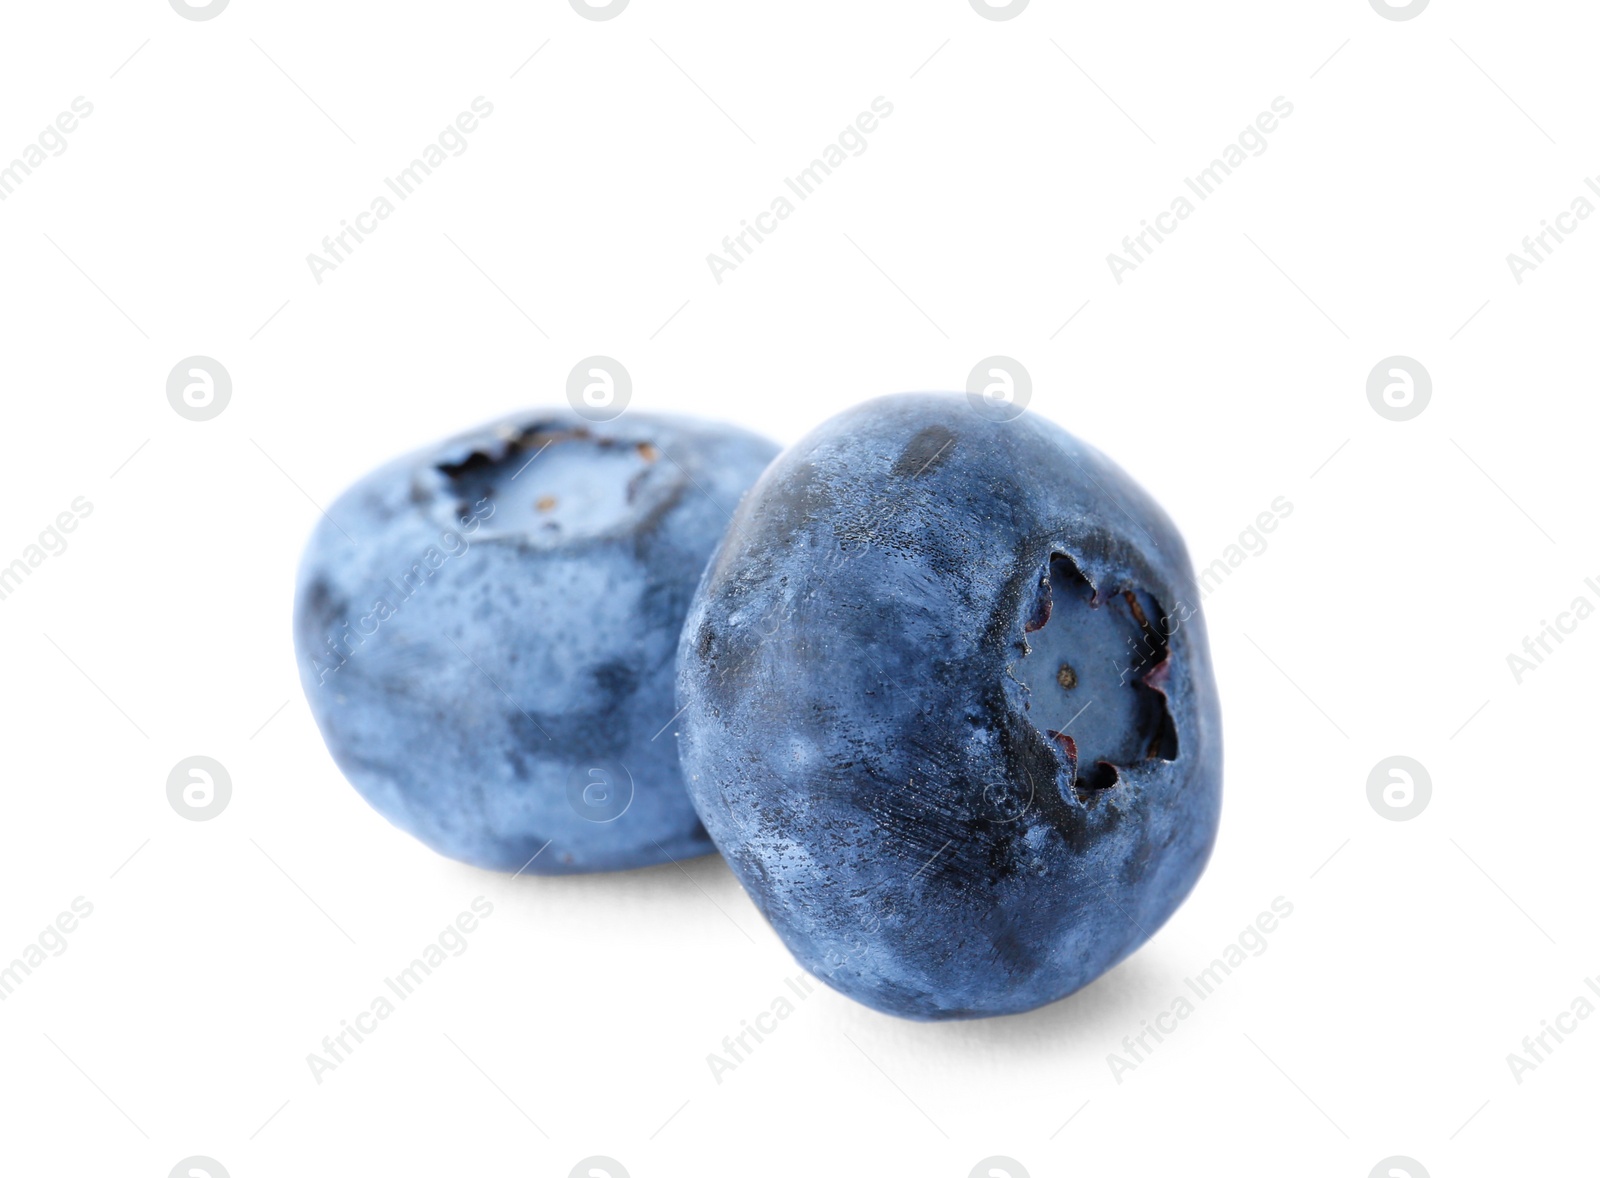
<point x="486" y="632"/>
<point x="950" y="710"/>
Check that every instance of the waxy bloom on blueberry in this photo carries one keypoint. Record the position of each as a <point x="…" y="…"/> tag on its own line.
<point x="487" y="629"/>
<point x="949" y="708"/>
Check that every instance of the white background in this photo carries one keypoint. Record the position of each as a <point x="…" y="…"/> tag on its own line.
<point x="1227" y="370"/>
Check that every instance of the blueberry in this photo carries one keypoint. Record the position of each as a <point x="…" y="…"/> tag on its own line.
<point x="487" y="631"/>
<point x="950" y="713"/>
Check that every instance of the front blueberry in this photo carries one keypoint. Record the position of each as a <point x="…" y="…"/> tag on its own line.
<point x="950" y="713"/>
<point x="487" y="628"/>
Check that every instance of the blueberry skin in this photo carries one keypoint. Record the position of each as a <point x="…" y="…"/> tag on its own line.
<point x="486" y="631"/>
<point x="886" y="768"/>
